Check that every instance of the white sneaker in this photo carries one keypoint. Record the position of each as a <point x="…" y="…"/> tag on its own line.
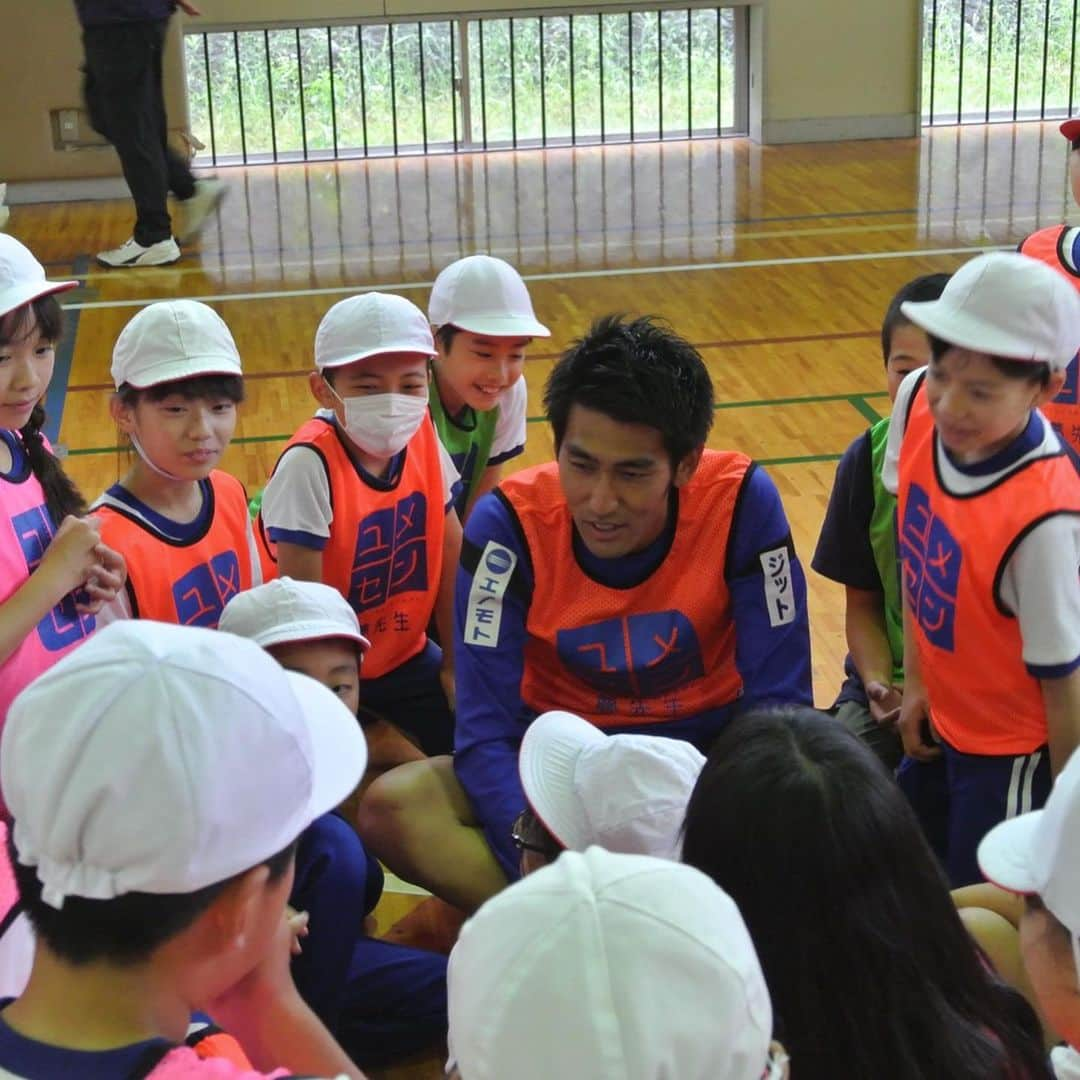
<point x="195" y="211"/>
<point x="133" y="254"/>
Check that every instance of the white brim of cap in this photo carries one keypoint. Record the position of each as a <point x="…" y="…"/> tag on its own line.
<point x="338" y="748"/>
<point x="967" y="331"/>
<point x="190" y="367"/>
<point x="501" y="326"/>
<point x="406" y="348"/>
<point x="1004" y="853"/>
<point x="549" y="753"/>
<point x="309" y="630"/>
<point x="17" y="295"/>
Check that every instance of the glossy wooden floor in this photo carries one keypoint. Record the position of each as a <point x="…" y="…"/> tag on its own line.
<point x="778" y="263"/>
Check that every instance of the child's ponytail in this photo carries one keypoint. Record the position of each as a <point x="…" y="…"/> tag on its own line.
<point x="62" y="497"/>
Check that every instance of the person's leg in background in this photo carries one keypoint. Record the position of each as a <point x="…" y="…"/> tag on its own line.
<point x="122" y="87"/>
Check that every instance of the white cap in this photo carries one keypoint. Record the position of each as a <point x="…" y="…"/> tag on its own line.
<point x="626" y="793"/>
<point x="162" y="759"/>
<point x="1040" y="852"/>
<point x="371" y="324"/>
<point x="22" y="277"/>
<point x="484" y="295"/>
<point x="608" y="967"/>
<point x="285" y="610"/>
<point x="1007" y="305"/>
<point x="172" y="340"/>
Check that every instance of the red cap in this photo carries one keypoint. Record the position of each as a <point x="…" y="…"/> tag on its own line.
<point x="1071" y="128"/>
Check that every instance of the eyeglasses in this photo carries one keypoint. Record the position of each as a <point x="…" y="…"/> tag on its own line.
<point x="529" y="834"/>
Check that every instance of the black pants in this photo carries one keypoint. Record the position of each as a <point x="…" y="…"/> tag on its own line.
<point x="126" y="104"/>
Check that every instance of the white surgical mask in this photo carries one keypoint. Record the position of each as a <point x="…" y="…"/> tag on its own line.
<point x="382" y="424"/>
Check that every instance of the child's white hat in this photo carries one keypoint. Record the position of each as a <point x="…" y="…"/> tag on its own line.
<point x="484" y="295"/>
<point x="285" y="610"/>
<point x="162" y="759"/>
<point x="173" y="340"/>
<point x="1039" y="852"/>
<point x="626" y="793"/>
<point x="371" y="324"/>
<point x="610" y="967"/>
<point x="1006" y="305"/>
<point x="22" y="277"/>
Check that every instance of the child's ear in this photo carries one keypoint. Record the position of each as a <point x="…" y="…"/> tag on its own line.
<point x="321" y="391"/>
<point x="233" y="910"/>
<point x="123" y="415"/>
<point x="1052" y="388"/>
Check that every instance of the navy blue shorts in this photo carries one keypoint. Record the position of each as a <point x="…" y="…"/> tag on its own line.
<point x="959" y="798"/>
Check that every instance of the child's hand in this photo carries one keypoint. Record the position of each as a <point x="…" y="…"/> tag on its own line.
<point x="270" y="980"/>
<point x="72" y="554"/>
<point x="298" y="922"/>
<point x="105" y="581"/>
<point x="885" y="702"/>
<point x="914" y="725"/>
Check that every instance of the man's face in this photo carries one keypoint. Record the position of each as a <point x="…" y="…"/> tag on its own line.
<point x="616" y="478"/>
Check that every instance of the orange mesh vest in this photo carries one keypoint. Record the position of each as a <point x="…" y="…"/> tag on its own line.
<point x="982" y="698"/>
<point x="186" y="583"/>
<point x="385" y="550"/>
<point x="663" y="649"/>
<point x="1064" y="411"/>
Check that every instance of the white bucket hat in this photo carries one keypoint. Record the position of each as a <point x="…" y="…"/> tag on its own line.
<point x="285" y="610"/>
<point x="625" y="792"/>
<point x="609" y="967"/>
<point x="1006" y="305"/>
<point x="162" y="759"/>
<point x="173" y="340"/>
<point x="1039" y="853"/>
<point x="22" y="277"/>
<point x="371" y="324"/>
<point x="484" y="295"/>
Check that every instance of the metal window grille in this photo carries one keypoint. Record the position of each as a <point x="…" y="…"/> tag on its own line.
<point x="987" y="61"/>
<point x="471" y="83"/>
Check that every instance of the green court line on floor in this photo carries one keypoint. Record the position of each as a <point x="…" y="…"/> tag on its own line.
<point x="810" y="400"/>
<point x="90" y="451"/>
<point x="859" y="402"/>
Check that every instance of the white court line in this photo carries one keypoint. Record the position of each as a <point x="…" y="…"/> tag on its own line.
<point x="568" y="275"/>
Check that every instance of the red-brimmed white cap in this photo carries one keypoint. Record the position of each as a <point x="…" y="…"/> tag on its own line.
<point x="1007" y="305"/>
<point x="173" y="340"/>
<point x="484" y="295"/>
<point x="285" y="610"/>
<point x="22" y="277"/>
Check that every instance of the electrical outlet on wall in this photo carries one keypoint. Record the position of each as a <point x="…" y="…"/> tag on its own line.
<point x="68" y="123"/>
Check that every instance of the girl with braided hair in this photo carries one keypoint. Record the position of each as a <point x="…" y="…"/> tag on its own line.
<point x="55" y="573"/>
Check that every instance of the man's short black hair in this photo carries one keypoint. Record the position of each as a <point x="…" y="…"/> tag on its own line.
<point x="636" y="371"/>
<point x="124" y="930"/>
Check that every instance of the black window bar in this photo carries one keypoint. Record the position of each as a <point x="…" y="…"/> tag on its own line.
<point x="555" y="78"/>
<point x="999" y="62"/>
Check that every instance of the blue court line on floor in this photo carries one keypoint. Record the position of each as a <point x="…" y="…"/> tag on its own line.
<point x="58" y="385"/>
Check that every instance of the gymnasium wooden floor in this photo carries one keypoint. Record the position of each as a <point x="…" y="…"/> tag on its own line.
<point x="776" y="262"/>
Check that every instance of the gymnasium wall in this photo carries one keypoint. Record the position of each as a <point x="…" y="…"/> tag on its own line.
<point x="820" y="70"/>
